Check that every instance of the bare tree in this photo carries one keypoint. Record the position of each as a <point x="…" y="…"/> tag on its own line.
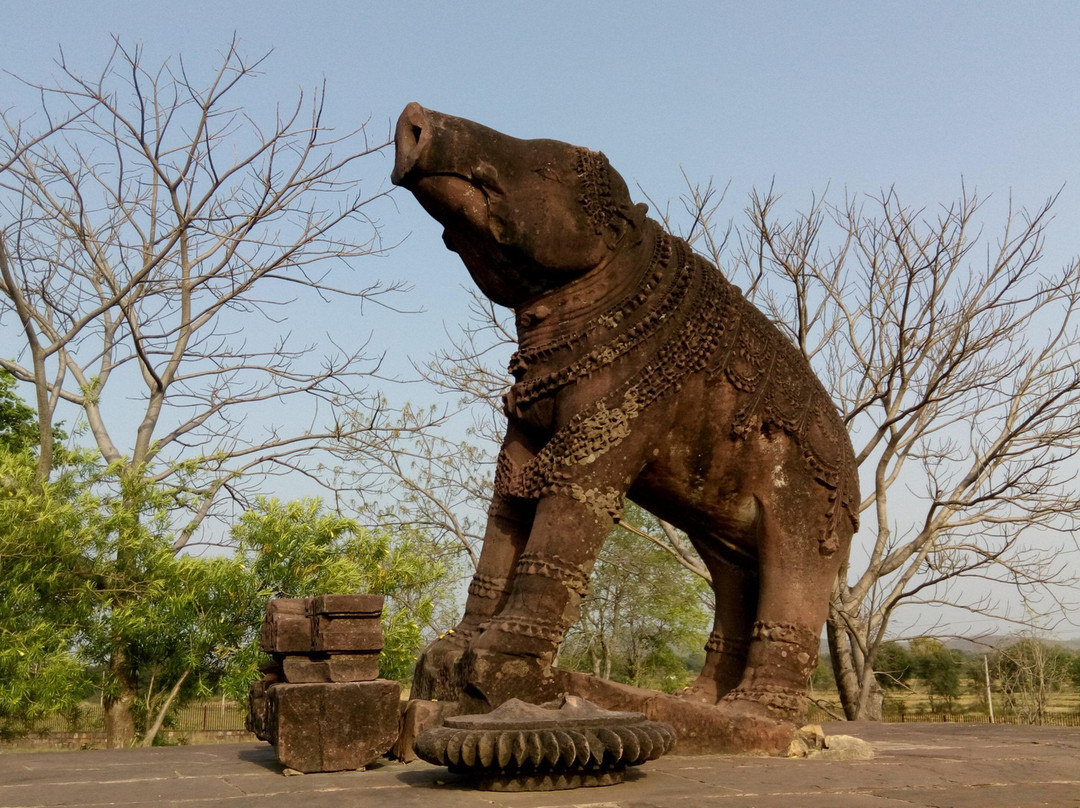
<point x="433" y="470"/>
<point x="153" y="234"/>
<point x="1029" y="671"/>
<point x="954" y="361"/>
<point x="421" y="474"/>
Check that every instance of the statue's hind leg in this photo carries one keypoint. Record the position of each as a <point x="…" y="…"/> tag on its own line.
<point x="797" y="572"/>
<point x="735" y="588"/>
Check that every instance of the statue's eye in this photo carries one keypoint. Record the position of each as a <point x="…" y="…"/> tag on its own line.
<point x="548" y="173"/>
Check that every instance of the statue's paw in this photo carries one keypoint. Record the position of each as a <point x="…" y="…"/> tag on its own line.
<point x="769" y="703"/>
<point x="437" y="675"/>
<point x="702" y="690"/>
<point x="497" y="668"/>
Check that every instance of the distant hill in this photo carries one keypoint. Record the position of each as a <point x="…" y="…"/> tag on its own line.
<point x="989" y="642"/>
<point x="1072" y="643"/>
<point x="985" y="643"/>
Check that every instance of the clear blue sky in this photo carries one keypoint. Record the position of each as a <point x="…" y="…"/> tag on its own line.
<point x="855" y="96"/>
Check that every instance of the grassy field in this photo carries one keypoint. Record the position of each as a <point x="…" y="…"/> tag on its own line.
<point x="916" y="704"/>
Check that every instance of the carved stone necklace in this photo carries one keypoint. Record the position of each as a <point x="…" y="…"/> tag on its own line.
<point x="598" y="310"/>
<point x="657" y="307"/>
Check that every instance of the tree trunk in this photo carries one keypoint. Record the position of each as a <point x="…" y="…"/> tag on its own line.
<point x="152" y="731"/>
<point x="843" y="665"/>
<point x="119" y="722"/>
<point x="872" y="699"/>
<point x="856" y="684"/>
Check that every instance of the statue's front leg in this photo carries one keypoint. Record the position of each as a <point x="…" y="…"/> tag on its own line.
<point x="513" y="652"/>
<point x="508" y="526"/>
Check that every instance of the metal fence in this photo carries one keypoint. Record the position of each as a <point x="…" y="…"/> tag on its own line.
<point x="1049" y="720"/>
<point x="209" y="716"/>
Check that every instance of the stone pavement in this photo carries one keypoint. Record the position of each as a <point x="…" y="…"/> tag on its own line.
<point x="940" y="765"/>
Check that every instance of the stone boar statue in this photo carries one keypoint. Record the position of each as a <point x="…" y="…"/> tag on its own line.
<point x="641" y="372"/>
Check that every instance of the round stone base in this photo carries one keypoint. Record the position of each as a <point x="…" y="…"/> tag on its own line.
<point x="525" y="747"/>
<point x="548" y="781"/>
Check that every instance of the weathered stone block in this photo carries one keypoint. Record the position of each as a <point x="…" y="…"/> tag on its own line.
<point x="346" y="623"/>
<point x="286" y="629"/>
<point x="333" y="726"/>
<point x="348" y="605"/>
<point x="257" y="720"/>
<point x="346" y="634"/>
<point x="420" y="715"/>
<point x="331" y="668"/>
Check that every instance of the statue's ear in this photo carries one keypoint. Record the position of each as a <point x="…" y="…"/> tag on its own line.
<point x="623" y="222"/>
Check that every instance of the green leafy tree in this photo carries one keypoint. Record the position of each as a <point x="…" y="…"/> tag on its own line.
<point x="1074" y="669"/>
<point x="150" y="623"/>
<point x="940" y="670"/>
<point x="184" y="626"/>
<point x="18" y="422"/>
<point x="48" y="593"/>
<point x="895" y="665"/>
<point x="822" y="679"/>
<point x="19" y="428"/>
<point x="67" y="610"/>
<point x="192" y="630"/>
<point x="644" y="615"/>
<point x="297" y="549"/>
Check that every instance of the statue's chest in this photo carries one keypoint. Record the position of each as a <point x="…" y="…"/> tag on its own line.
<point x="579" y="365"/>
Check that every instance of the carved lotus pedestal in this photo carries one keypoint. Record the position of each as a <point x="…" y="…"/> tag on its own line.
<point x="525" y="747"/>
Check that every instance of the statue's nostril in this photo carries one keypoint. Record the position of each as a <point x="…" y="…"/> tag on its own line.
<point x="410" y="129"/>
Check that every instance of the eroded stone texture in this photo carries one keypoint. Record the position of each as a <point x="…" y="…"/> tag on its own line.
<point x="331" y="668"/>
<point x="333" y="727"/>
<point x="286" y="628"/>
<point x="257" y="721"/>
<point x="641" y="371"/>
<point x="524" y="747"/>
<point x="418" y="716"/>
<point x="346" y="623"/>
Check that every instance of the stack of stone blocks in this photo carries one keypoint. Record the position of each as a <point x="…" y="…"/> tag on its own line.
<point x="321" y="702"/>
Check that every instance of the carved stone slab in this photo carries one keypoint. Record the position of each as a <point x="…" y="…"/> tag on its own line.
<point x="326" y="624"/>
<point x="331" y="634"/>
<point x="348" y="605"/>
<point x="346" y="623"/>
<point x="525" y="747"/>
